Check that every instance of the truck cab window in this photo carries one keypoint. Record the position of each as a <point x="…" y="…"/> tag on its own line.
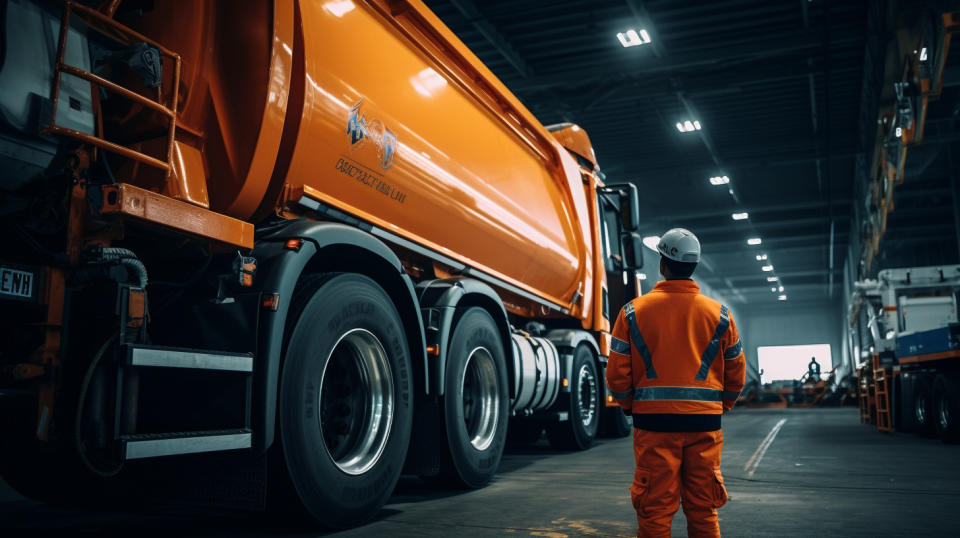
<point x="610" y="233"/>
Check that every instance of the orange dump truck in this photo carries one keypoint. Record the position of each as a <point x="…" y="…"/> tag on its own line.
<point x="317" y="239"/>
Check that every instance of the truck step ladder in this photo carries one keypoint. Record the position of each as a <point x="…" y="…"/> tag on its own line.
<point x="139" y="445"/>
<point x="151" y="445"/>
<point x="882" y="395"/>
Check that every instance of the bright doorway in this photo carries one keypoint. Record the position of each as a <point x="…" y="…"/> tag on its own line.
<point x="790" y="362"/>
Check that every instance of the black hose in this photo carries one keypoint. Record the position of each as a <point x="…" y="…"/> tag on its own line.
<point x="128" y="259"/>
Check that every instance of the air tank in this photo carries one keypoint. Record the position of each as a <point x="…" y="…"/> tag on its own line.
<point x="536" y="367"/>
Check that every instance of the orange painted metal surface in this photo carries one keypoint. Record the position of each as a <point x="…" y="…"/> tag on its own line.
<point x="133" y="202"/>
<point x="376" y="109"/>
<point x="236" y="75"/>
<point x="576" y="140"/>
<point x="392" y="133"/>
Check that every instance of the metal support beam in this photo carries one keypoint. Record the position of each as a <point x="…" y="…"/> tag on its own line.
<point x="758" y="279"/>
<point x="470" y="10"/>
<point x="814" y="206"/>
<point x="592" y="69"/>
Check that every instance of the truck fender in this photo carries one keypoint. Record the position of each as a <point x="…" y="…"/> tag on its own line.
<point x="566" y="341"/>
<point x="439" y="300"/>
<point x="279" y="269"/>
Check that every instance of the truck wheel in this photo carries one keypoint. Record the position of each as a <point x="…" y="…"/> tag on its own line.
<point x="475" y="402"/>
<point x="946" y="399"/>
<point x="345" y="399"/>
<point x="583" y="405"/>
<point x="923" y="410"/>
<point x="614" y="423"/>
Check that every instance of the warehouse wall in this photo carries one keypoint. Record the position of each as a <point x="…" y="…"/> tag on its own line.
<point x="787" y="325"/>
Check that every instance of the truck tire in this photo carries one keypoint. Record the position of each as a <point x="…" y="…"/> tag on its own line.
<point x="475" y="402"/>
<point x="923" y="408"/>
<point x="614" y="423"/>
<point x="345" y="398"/>
<point x="946" y="397"/>
<point x="582" y="405"/>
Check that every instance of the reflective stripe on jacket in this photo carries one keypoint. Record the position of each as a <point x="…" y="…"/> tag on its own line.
<point x="675" y="351"/>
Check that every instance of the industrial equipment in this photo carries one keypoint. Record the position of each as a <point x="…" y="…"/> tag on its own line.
<point x="319" y="239"/>
<point x="911" y="381"/>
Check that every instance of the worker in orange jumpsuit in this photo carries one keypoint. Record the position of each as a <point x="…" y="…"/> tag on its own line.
<point x="676" y="364"/>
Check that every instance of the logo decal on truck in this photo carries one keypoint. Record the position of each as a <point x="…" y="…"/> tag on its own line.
<point x="361" y="131"/>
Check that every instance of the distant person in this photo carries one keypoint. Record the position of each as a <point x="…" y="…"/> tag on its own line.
<point x="676" y="364"/>
<point x="813" y="370"/>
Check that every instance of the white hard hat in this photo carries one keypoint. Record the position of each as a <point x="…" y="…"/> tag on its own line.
<point x="680" y="245"/>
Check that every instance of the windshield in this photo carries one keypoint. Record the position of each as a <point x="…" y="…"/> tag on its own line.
<point x="610" y="232"/>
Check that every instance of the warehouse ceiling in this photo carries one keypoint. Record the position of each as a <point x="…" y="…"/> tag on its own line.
<point x="776" y="88"/>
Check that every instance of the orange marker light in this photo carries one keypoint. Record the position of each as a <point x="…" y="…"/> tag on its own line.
<point x="271" y="301"/>
<point x="609" y="398"/>
<point x="433" y="349"/>
<point x="294" y="244"/>
<point x="566" y="382"/>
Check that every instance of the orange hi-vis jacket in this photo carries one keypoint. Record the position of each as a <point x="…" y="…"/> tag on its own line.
<point x="675" y="351"/>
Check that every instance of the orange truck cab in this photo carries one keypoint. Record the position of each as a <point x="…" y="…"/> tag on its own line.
<point x="321" y="234"/>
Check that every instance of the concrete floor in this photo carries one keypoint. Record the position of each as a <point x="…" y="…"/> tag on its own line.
<point x="823" y="474"/>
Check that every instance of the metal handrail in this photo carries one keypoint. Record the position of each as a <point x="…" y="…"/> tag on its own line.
<point x="97" y="140"/>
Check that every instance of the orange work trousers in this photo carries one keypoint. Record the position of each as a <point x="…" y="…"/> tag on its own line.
<point x="672" y="467"/>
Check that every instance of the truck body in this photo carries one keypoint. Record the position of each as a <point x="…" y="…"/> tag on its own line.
<point x="912" y="380"/>
<point x="319" y="233"/>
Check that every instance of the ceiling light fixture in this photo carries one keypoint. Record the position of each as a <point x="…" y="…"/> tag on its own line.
<point x="767" y="268"/>
<point x="923" y="54"/>
<point x="754" y="241"/>
<point x="772" y="279"/>
<point x="688" y="126"/>
<point x="633" y="38"/>
<point x="719" y="180"/>
<point x="773" y="290"/>
<point x="761" y="257"/>
<point x="642" y="276"/>
<point x="780" y="288"/>
<point x="740" y="216"/>
<point x="782" y="298"/>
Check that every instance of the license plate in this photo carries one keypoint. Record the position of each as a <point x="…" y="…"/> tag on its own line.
<point x="16" y="283"/>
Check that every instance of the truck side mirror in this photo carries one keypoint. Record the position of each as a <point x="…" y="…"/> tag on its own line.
<point x="632" y="250"/>
<point x="629" y="202"/>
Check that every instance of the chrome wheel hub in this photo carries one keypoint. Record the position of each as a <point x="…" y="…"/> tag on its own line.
<point x="481" y="394"/>
<point x="356" y="402"/>
<point x="586" y="395"/>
